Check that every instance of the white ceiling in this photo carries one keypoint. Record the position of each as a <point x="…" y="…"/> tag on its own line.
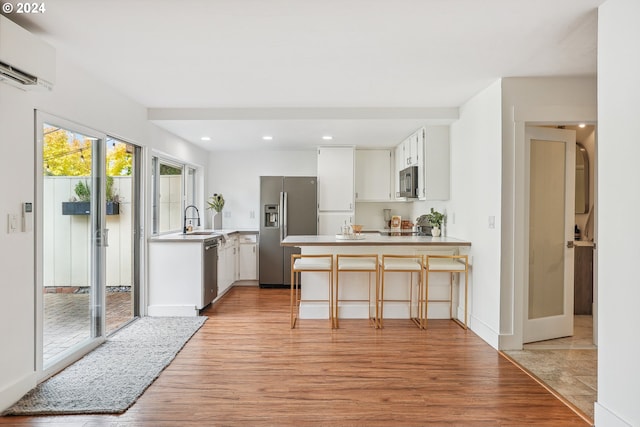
<point x="368" y="72"/>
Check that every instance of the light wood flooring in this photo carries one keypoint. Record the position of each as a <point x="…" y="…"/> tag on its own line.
<point x="245" y="367"/>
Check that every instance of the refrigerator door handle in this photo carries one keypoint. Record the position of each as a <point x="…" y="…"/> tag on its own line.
<point x="285" y="230"/>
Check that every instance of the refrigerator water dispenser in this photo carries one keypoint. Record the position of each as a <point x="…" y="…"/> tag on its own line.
<point x="271" y="216"/>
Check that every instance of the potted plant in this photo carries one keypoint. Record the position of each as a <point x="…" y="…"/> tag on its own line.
<point x="435" y="219"/>
<point x="81" y="203"/>
<point x="216" y="203"/>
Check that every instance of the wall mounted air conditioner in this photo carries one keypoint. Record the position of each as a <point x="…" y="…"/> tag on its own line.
<point x="26" y="61"/>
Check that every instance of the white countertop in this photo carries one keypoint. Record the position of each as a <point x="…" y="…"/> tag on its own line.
<point x="373" y="239"/>
<point x="200" y="235"/>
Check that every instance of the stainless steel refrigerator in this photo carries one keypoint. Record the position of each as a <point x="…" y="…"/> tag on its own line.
<point x="288" y="206"/>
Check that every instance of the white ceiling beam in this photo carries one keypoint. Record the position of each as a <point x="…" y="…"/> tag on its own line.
<point x="440" y="114"/>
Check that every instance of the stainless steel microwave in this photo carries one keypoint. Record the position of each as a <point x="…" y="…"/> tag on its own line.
<point x="409" y="182"/>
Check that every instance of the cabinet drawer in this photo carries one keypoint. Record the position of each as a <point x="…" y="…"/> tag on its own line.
<point x="248" y="238"/>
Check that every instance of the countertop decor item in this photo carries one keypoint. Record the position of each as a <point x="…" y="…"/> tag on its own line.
<point x="216" y="203"/>
<point x="435" y="219"/>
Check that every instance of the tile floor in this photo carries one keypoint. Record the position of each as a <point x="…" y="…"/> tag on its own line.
<point x="66" y="319"/>
<point x="567" y="365"/>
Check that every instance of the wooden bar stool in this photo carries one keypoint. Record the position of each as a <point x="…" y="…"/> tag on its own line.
<point x="357" y="263"/>
<point x="309" y="264"/>
<point x="400" y="264"/>
<point x="441" y="263"/>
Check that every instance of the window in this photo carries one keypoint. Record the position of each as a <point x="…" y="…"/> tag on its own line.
<point x="173" y="188"/>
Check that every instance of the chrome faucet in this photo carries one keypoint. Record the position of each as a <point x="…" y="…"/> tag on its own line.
<point x="184" y="228"/>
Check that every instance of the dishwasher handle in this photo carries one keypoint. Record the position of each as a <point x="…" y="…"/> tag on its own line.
<point x="210" y="245"/>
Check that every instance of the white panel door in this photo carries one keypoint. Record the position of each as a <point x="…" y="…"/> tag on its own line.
<point x="551" y="187"/>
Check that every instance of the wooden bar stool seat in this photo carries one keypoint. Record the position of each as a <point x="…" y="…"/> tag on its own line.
<point x="446" y="263"/>
<point x="357" y="263"/>
<point x="321" y="263"/>
<point x="399" y="264"/>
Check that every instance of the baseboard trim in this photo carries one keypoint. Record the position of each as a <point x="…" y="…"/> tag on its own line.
<point x="13" y="392"/>
<point x="172" y="310"/>
<point x="484" y="331"/>
<point x="604" y="417"/>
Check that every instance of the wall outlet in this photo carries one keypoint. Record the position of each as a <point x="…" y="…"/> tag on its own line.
<point x="252" y="214"/>
<point x="492" y="221"/>
<point x="227" y="214"/>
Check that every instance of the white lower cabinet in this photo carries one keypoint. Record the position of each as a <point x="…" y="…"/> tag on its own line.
<point x="248" y="258"/>
<point x="227" y="263"/>
<point x="179" y="281"/>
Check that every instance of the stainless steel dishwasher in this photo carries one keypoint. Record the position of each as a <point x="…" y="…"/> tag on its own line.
<point x="210" y="271"/>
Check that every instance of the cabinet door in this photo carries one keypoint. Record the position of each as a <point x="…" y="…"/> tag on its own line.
<point x="222" y="269"/>
<point x="230" y="267"/>
<point x="373" y="175"/>
<point x="248" y="261"/>
<point x="437" y="163"/>
<point x="411" y="150"/>
<point x="335" y="178"/>
<point x="400" y="164"/>
<point x="420" y="156"/>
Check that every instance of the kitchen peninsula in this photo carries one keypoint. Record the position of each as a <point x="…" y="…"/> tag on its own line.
<point x="355" y="287"/>
<point x="190" y="270"/>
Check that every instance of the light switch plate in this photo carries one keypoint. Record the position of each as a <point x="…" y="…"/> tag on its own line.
<point x="12" y="223"/>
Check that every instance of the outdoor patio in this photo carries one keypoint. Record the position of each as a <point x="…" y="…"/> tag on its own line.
<point x="66" y="318"/>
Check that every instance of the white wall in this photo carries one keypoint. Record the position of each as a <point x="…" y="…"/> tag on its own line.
<point x="475" y="195"/>
<point x="79" y="98"/>
<point x="236" y="174"/>
<point x="619" y="203"/>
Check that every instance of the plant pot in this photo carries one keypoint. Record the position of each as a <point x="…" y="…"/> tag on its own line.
<point x="76" y="208"/>
<point x="217" y="221"/>
<point x="113" y="208"/>
<point x="84" y="208"/>
<point x="435" y="232"/>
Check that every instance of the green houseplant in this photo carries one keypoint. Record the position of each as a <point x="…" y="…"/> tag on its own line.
<point x="435" y="220"/>
<point x="216" y="203"/>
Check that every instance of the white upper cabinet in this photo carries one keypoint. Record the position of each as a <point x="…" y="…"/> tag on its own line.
<point x="434" y="167"/>
<point x="400" y="163"/>
<point x="428" y="149"/>
<point x="412" y="147"/>
<point x="373" y="175"/>
<point x="336" y="179"/>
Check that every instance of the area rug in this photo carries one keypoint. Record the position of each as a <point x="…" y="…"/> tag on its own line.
<point x="112" y="377"/>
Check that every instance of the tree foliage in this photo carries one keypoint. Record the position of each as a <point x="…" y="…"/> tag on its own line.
<point x="65" y="154"/>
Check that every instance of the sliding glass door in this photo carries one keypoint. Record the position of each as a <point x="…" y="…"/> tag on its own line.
<point x="122" y="220"/>
<point x="88" y="231"/>
<point x="72" y="236"/>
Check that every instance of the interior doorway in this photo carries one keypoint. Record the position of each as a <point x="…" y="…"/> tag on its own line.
<point x="568" y="365"/>
<point x="580" y="259"/>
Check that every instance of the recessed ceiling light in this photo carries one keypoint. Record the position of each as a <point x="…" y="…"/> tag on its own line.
<point x="267" y="137"/>
<point x="327" y="137"/>
<point x="205" y="138"/>
<point x="582" y="125"/>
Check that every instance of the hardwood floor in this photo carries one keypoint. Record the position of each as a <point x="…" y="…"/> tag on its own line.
<point x="245" y="367"/>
